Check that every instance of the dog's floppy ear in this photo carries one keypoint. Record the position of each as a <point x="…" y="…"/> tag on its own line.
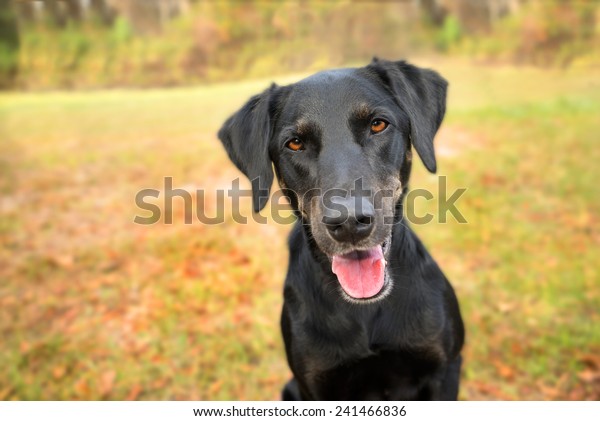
<point x="422" y="95"/>
<point x="246" y="136"/>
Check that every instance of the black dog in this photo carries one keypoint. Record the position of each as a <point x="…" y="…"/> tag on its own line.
<point x="368" y="314"/>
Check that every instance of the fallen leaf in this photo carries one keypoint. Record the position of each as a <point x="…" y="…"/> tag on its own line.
<point x="4" y="393"/>
<point x="490" y="390"/>
<point x="505" y="306"/>
<point x="550" y="392"/>
<point x="82" y="388"/>
<point x="576" y="395"/>
<point x="271" y="380"/>
<point x="516" y="348"/>
<point x="134" y="392"/>
<point x="504" y="370"/>
<point x="107" y="381"/>
<point x="591" y="360"/>
<point x="64" y="261"/>
<point x="589" y="376"/>
<point x="215" y="387"/>
<point x="160" y="383"/>
<point x="24" y="347"/>
<point x="58" y="372"/>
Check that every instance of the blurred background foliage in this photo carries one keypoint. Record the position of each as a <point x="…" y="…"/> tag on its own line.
<point x="106" y="43"/>
<point x="93" y="306"/>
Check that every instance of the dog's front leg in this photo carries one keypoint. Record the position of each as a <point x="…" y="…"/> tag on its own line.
<point x="449" y="389"/>
<point x="291" y="391"/>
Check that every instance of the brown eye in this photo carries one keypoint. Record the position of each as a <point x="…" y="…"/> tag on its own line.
<point x="377" y="126"/>
<point x="295" y="145"/>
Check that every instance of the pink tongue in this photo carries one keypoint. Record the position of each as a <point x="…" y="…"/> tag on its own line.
<point x="361" y="272"/>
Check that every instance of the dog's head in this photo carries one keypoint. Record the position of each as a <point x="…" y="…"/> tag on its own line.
<point x="340" y="143"/>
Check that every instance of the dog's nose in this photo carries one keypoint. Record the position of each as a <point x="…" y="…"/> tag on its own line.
<point x="350" y="220"/>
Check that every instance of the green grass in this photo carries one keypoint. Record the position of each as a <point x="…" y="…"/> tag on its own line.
<point x="96" y="307"/>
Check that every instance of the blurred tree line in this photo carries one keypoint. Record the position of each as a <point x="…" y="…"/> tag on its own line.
<point x="94" y="43"/>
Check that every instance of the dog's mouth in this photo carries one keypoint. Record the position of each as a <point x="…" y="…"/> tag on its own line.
<point x="361" y="273"/>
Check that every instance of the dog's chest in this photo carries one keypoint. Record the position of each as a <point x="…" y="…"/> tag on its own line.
<point x="366" y="361"/>
<point x="382" y="376"/>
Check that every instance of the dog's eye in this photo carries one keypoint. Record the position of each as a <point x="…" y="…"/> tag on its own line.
<point x="377" y="126"/>
<point x="295" y="145"/>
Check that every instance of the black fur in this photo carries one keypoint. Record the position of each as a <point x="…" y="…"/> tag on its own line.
<point x="405" y="342"/>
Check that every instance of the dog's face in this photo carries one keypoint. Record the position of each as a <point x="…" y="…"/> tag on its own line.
<point x="340" y="142"/>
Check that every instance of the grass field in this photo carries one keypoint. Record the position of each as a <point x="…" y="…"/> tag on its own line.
<point x="93" y="306"/>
